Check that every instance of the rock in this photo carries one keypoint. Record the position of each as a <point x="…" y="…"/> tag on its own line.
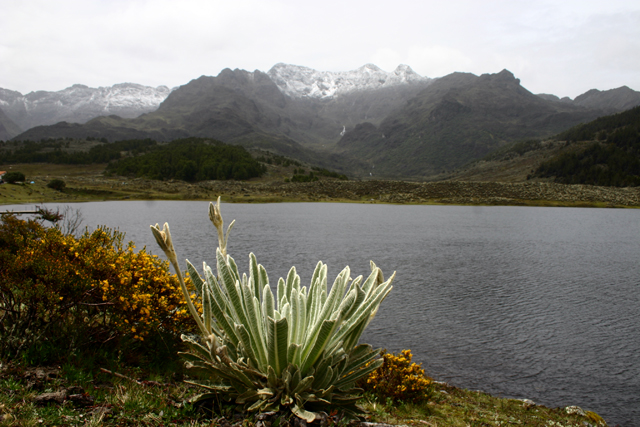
<point x="367" y="424"/>
<point x="575" y="410"/>
<point x="81" y="399"/>
<point x="46" y="398"/>
<point x="76" y="395"/>
<point x="527" y="403"/>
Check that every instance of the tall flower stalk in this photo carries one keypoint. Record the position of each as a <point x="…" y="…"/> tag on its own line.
<point x="298" y="351"/>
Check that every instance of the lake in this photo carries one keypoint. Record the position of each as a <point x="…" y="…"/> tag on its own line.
<point x="520" y="302"/>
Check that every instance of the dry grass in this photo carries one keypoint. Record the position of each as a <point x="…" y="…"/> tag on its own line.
<point x="87" y="183"/>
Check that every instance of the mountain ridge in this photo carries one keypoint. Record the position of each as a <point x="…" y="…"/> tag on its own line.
<point x="456" y="119"/>
<point x="399" y="123"/>
<point x="80" y="103"/>
<point x="298" y="81"/>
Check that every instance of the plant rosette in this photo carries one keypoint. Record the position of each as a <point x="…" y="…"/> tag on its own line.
<point x="297" y="351"/>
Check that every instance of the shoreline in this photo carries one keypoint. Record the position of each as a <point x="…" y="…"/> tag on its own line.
<point x="530" y="193"/>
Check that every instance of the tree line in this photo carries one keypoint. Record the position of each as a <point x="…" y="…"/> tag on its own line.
<point x="191" y="160"/>
<point x="613" y="159"/>
<point x="56" y="151"/>
<point x="600" y="128"/>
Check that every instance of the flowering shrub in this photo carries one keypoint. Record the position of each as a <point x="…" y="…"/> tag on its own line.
<point x="62" y="292"/>
<point x="399" y="379"/>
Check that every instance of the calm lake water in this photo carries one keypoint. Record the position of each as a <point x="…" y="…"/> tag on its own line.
<point x="520" y="302"/>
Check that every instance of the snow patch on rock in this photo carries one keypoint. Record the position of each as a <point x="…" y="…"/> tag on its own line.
<point x="80" y="103"/>
<point x="298" y="82"/>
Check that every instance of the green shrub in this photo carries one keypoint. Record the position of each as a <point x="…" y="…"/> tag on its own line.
<point x="297" y="353"/>
<point x="57" y="184"/>
<point x="13" y="177"/>
<point x="304" y="178"/>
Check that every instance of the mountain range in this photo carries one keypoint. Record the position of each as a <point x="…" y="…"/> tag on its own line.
<point x="361" y="122"/>
<point x="80" y="103"/>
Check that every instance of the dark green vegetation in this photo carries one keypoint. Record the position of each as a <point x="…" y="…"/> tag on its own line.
<point x="58" y="151"/>
<point x="57" y="184"/>
<point x="190" y="159"/>
<point x="13" y="177"/>
<point x="328" y="173"/>
<point x="615" y="128"/>
<point x="603" y="152"/>
<point x="612" y="159"/>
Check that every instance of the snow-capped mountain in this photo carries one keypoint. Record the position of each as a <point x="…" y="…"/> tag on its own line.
<point x="297" y="81"/>
<point x="80" y="103"/>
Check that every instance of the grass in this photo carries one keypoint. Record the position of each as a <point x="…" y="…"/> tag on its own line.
<point x="104" y="399"/>
<point x="162" y="400"/>
<point x="86" y="183"/>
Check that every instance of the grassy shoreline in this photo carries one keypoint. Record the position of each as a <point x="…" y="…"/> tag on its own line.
<point x="86" y="183"/>
<point x="68" y="395"/>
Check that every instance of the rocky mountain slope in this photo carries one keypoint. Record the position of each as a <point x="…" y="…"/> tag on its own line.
<point x="456" y="119"/>
<point x="79" y="103"/>
<point x="603" y="152"/>
<point x="298" y="82"/>
<point x="609" y="101"/>
<point x="248" y="108"/>
<point x="361" y="122"/>
<point x="8" y="129"/>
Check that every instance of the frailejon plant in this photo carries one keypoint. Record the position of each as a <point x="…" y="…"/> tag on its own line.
<point x="297" y="352"/>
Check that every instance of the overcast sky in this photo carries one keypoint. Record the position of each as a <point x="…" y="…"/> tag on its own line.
<point x="563" y="47"/>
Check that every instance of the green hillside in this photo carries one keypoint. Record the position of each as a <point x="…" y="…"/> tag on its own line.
<point x="612" y="159"/>
<point x="191" y="160"/>
<point x="188" y="159"/>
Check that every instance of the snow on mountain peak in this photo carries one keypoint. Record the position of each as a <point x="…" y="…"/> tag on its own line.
<point x="79" y="103"/>
<point x="297" y="81"/>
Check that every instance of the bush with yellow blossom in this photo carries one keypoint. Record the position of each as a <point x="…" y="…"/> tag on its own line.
<point x="61" y="294"/>
<point x="398" y="379"/>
